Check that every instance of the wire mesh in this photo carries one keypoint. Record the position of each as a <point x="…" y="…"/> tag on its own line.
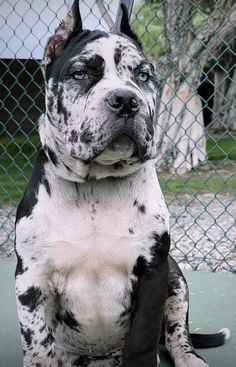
<point x="193" y="45"/>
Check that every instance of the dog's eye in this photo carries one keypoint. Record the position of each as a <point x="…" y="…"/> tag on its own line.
<point x="143" y="77"/>
<point x="80" y="75"/>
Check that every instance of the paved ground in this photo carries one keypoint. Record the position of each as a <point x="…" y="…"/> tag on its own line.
<point x="212" y="305"/>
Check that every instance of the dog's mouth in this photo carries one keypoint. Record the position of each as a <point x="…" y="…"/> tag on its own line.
<point x="123" y="143"/>
<point x="128" y="143"/>
<point x="120" y="149"/>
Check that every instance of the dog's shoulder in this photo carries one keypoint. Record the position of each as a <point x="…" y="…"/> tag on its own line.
<point x="38" y="177"/>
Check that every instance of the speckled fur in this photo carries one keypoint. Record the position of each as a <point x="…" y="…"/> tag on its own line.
<point x="92" y="230"/>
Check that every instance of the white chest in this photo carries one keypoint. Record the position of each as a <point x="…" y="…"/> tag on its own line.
<point x="86" y="244"/>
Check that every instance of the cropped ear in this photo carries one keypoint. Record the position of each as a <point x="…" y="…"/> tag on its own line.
<point x="56" y="43"/>
<point x="122" y="20"/>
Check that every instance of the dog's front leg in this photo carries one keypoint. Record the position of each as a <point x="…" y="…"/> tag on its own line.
<point x="141" y="343"/>
<point x="37" y="339"/>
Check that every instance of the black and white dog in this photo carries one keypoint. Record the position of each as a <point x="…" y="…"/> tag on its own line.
<point x="95" y="285"/>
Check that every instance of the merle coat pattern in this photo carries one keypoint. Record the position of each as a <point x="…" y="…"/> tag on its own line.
<point x="94" y="281"/>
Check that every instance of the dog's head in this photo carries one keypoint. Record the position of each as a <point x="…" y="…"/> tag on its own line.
<point x="100" y="100"/>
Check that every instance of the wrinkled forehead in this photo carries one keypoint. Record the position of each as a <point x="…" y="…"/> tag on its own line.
<point x="113" y="49"/>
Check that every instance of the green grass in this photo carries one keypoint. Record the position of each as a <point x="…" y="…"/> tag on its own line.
<point x="224" y="148"/>
<point x="206" y="179"/>
<point x="16" y="161"/>
<point x="17" y="157"/>
<point x="195" y="182"/>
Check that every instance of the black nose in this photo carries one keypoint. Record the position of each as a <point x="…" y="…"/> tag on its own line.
<point x="123" y="102"/>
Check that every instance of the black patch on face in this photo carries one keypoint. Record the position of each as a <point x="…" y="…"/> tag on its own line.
<point x="30" y="198"/>
<point x="93" y="67"/>
<point x="27" y="335"/>
<point x="74" y="47"/>
<point x="95" y="64"/>
<point x="131" y="70"/>
<point x="31" y="298"/>
<point x="61" y="109"/>
<point x="117" y="56"/>
<point x="86" y="136"/>
<point x="131" y="231"/>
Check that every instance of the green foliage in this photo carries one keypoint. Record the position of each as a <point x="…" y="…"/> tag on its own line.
<point x="197" y="21"/>
<point x="148" y="25"/>
<point x="16" y="161"/>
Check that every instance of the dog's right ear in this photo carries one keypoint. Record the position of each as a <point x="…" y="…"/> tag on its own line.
<point x="71" y="24"/>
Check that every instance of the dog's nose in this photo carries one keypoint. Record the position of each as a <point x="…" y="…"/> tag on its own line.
<point x="123" y="102"/>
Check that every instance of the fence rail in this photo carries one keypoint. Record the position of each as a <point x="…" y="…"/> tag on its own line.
<point x="193" y="46"/>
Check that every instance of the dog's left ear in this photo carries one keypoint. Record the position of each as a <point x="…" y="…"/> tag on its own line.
<point x="122" y="24"/>
<point x="71" y="24"/>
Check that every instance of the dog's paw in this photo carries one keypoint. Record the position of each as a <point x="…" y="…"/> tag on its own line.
<point x="190" y="360"/>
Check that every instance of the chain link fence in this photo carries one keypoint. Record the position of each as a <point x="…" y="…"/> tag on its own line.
<point x="193" y="45"/>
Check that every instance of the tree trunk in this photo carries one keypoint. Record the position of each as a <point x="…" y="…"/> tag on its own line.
<point x="180" y="121"/>
<point x="229" y="115"/>
<point x="225" y="90"/>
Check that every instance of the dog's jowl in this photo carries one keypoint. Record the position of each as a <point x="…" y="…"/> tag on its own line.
<point x="95" y="285"/>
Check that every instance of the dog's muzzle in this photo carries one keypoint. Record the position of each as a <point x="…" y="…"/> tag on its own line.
<point x="127" y="133"/>
<point x="130" y="128"/>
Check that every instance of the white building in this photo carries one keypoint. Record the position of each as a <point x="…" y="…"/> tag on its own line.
<point x="25" y="25"/>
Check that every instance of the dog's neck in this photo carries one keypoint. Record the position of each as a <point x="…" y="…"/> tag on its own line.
<point x="137" y="189"/>
<point x="73" y="170"/>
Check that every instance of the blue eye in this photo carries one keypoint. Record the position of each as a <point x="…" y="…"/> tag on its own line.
<point x="80" y="75"/>
<point x="143" y="77"/>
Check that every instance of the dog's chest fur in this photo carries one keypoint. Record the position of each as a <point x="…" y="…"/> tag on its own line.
<point x="89" y="252"/>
